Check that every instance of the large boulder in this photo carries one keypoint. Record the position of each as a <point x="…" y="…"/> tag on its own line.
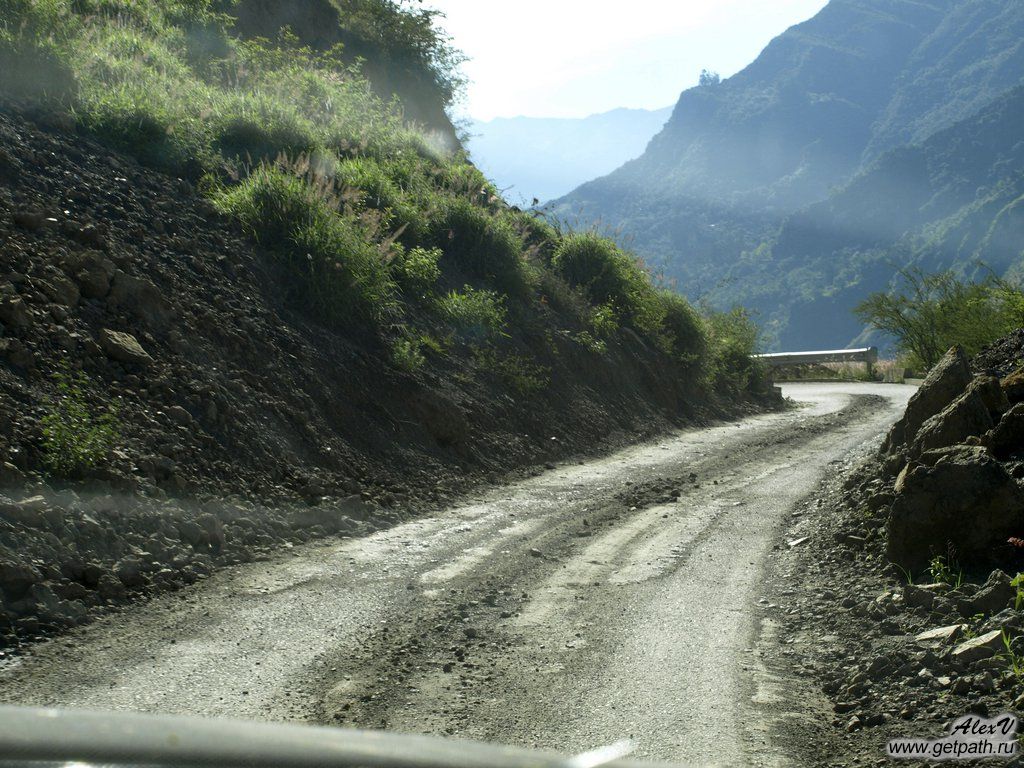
<point x="14" y="313"/>
<point x="945" y="382"/>
<point x="991" y="393"/>
<point x="996" y="594"/>
<point x="60" y="290"/>
<point x="1007" y="438"/>
<point x="91" y="271"/>
<point x="965" y="417"/>
<point x="964" y="501"/>
<point x="443" y="419"/>
<point x="16" y="579"/>
<point x="142" y="298"/>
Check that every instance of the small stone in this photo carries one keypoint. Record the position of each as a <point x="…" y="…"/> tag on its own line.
<point x="110" y="588"/>
<point x="940" y="635"/>
<point x="984" y="683"/>
<point x="61" y="290"/>
<point x="124" y="348"/>
<point x="981" y="647"/>
<point x="918" y="597"/>
<point x="878" y="667"/>
<point x="29" y="220"/>
<point x="15" y="313"/>
<point x="179" y="415"/>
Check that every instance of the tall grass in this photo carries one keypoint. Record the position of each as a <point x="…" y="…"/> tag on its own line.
<point x="381" y="228"/>
<point x="330" y="252"/>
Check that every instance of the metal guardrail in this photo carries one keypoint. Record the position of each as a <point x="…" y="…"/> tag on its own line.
<point x="868" y="355"/>
<point x="86" y="738"/>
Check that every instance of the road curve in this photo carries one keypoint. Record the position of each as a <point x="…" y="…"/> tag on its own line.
<point x="611" y="599"/>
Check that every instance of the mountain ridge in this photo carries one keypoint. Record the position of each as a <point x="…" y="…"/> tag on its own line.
<point x="741" y="164"/>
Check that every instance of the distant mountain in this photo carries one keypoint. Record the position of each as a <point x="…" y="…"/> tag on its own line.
<point x="954" y="201"/>
<point x="545" y="158"/>
<point x="870" y="137"/>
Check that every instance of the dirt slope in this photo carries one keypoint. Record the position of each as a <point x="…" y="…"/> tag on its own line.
<point x="230" y="403"/>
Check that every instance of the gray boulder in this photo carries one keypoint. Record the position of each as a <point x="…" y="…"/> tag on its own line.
<point x="60" y="290"/>
<point x="142" y="298"/>
<point x="1008" y="436"/>
<point x="1013" y="386"/>
<point x="92" y="272"/>
<point x="994" y="596"/>
<point x="15" y="313"/>
<point x="965" y="417"/>
<point x="124" y="348"/>
<point x="443" y="419"/>
<point x="991" y="393"/>
<point x="945" y="382"/>
<point x="965" y="500"/>
<point x="17" y="578"/>
<point x="130" y="572"/>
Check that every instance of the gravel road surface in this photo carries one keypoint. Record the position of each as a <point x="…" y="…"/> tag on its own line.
<point x="613" y="599"/>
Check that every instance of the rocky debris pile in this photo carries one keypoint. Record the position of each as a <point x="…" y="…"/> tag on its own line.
<point x="955" y="459"/>
<point x="891" y="658"/>
<point x="912" y="614"/>
<point x="1002" y="357"/>
<point x="64" y="556"/>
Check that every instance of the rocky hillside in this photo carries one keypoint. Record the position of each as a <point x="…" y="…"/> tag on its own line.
<point x="245" y="302"/>
<point x="914" y="558"/>
<point x="896" y="90"/>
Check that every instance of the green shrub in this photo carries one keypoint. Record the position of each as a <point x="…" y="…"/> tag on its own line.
<point x="537" y="233"/>
<point x="684" y="330"/>
<point x="416" y="271"/>
<point x="257" y="129"/>
<point x="733" y="338"/>
<point x="604" y="321"/>
<point x="33" y="53"/>
<point x="610" y="277"/>
<point x="480" y="245"/>
<point x="371" y="180"/>
<point x="466" y="181"/>
<point x="588" y="341"/>
<point x="406" y="354"/>
<point x="523" y="374"/>
<point x="76" y="439"/>
<point x="475" y="312"/>
<point x="337" y="266"/>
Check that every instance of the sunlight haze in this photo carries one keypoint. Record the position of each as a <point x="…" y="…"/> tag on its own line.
<point x="572" y="59"/>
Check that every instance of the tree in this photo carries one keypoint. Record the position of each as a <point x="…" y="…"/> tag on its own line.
<point x="709" y="78"/>
<point x="933" y="312"/>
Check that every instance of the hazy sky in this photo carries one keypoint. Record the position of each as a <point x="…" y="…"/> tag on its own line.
<point x="572" y="58"/>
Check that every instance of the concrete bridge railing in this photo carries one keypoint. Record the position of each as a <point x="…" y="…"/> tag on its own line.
<point x="866" y="355"/>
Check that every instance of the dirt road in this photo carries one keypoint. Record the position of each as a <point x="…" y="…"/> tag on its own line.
<point x="613" y="599"/>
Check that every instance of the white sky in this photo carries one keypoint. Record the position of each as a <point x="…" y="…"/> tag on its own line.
<point x="572" y="58"/>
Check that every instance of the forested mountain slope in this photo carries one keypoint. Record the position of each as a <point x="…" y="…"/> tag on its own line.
<point x="853" y="91"/>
